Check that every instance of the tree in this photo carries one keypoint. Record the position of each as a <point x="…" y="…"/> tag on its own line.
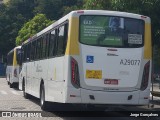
<point x="30" y="28"/>
<point x="145" y="7"/>
<point x="51" y="8"/>
<point x="13" y="14"/>
<point x="71" y="6"/>
<point x="97" y="4"/>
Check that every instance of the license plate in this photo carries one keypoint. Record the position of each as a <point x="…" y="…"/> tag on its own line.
<point x="94" y="74"/>
<point x="111" y="81"/>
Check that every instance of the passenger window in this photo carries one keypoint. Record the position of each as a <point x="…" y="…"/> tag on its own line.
<point x="62" y="39"/>
<point x="28" y="51"/>
<point x="38" y="49"/>
<point x="33" y="47"/>
<point x="52" y="47"/>
<point x="45" y="46"/>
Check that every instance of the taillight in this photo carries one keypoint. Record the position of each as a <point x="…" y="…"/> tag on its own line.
<point x="145" y="77"/>
<point x="15" y="72"/>
<point x="74" y="73"/>
<point x="80" y="11"/>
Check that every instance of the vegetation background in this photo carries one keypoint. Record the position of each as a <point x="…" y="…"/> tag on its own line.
<point x="21" y="19"/>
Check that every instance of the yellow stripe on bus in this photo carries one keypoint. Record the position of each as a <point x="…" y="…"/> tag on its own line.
<point x="72" y="44"/>
<point x="14" y="58"/>
<point x="147" y="42"/>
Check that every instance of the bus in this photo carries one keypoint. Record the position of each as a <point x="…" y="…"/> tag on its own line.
<point x="13" y="67"/>
<point x="90" y="57"/>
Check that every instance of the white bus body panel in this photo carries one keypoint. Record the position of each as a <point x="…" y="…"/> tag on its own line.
<point x="51" y="72"/>
<point x="113" y="66"/>
<point x="10" y="74"/>
<point x="56" y="81"/>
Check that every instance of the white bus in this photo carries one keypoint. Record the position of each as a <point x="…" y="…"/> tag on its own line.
<point x="13" y="67"/>
<point x="90" y="57"/>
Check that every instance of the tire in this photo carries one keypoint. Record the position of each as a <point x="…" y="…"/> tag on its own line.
<point x="43" y="103"/>
<point x="25" y="95"/>
<point x="11" y="85"/>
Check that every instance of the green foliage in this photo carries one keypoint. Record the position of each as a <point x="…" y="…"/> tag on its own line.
<point x="97" y="4"/>
<point x="77" y="5"/>
<point x="51" y="8"/>
<point x="13" y="15"/>
<point x="30" y="28"/>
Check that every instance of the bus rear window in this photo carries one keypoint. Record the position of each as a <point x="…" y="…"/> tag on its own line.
<point x="111" y="31"/>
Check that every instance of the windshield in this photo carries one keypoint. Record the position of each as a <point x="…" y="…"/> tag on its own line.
<point x="111" y="31"/>
<point x="18" y="52"/>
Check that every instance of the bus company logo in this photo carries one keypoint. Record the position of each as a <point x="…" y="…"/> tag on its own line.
<point x="6" y="114"/>
<point x="89" y="22"/>
<point x="90" y="59"/>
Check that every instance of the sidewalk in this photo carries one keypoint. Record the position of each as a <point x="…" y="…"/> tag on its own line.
<point x="156" y="90"/>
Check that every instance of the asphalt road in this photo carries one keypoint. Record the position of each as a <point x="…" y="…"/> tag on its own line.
<point x="12" y="100"/>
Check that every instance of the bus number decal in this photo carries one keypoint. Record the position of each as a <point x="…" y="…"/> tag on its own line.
<point x="129" y="62"/>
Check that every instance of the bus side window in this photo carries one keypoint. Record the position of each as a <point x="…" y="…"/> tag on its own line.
<point x="33" y="46"/>
<point x="18" y="56"/>
<point x="62" y="39"/>
<point x="45" y="46"/>
<point x="52" y="43"/>
<point x="25" y="53"/>
<point x="38" y="49"/>
<point x="28" y="52"/>
<point x="10" y="59"/>
<point x="65" y="37"/>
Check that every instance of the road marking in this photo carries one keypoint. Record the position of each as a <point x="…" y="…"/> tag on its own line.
<point x="3" y="92"/>
<point x="14" y="92"/>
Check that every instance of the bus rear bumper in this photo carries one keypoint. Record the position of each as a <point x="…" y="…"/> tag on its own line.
<point x="120" y="98"/>
<point x="84" y="96"/>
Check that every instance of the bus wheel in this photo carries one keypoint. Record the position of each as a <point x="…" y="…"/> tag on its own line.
<point x="43" y="103"/>
<point x="25" y="95"/>
<point x="10" y="85"/>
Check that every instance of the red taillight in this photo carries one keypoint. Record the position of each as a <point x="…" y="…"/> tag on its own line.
<point x="143" y="17"/>
<point x="80" y="11"/>
<point x="15" y="72"/>
<point x="145" y="77"/>
<point x="74" y="73"/>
